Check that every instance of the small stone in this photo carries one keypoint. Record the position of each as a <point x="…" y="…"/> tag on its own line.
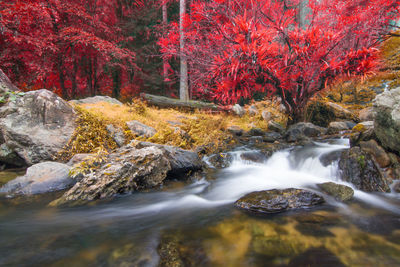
<point x="235" y="130"/>
<point x="253" y="111"/>
<point x="97" y="99"/>
<point x="275" y="127"/>
<point x="338" y="126"/>
<point x="141" y="129"/>
<point x="117" y="134"/>
<point x="256" y="132"/>
<point x="238" y="110"/>
<point x="338" y="191"/>
<point x="267" y="116"/>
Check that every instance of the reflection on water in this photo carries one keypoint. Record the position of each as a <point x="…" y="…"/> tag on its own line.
<point x="196" y="224"/>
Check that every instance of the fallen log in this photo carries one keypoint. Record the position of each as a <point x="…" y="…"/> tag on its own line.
<point x="166" y="102"/>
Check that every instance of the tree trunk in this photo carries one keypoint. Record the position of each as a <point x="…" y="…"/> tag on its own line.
<point x="116" y="82"/>
<point x="166" y="102"/>
<point x="165" y="22"/>
<point x="303" y="12"/>
<point x="184" y="87"/>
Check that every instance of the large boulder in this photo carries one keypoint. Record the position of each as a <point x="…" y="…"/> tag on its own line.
<point x="303" y="130"/>
<point x="5" y="84"/>
<point x="379" y="154"/>
<point x="387" y="119"/>
<point x="137" y="166"/>
<point x="117" y="134"/>
<point x="366" y="114"/>
<point x="97" y="99"/>
<point x="339" y="126"/>
<point x="358" y="168"/>
<point x="36" y="125"/>
<point x="322" y="113"/>
<point x="127" y="170"/>
<point x="272" y="201"/>
<point x="40" y="178"/>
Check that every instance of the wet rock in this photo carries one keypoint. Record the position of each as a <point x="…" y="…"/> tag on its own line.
<point x="141" y="129"/>
<point x="253" y="111"/>
<point x="256" y="132"/>
<point x="37" y="125"/>
<point x="302" y="130"/>
<point x="272" y="201"/>
<point x="255" y="140"/>
<point x="117" y="134"/>
<point x="275" y="127"/>
<point x="266" y="115"/>
<point x="338" y="126"/>
<point x="253" y="156"/>
<point x="329" y="158"/>
<point x="220" y="160"/>
<point x="183" y="162"/>
<point x="235" y="130"/>
<point x="377" y="152"/>
<point x="238" y="110"/>
<point x="273" y="246"/>
<point x="358" y="168"/>
<point x="5" y="84"/>
<point x="338" y="191"/>
<point x="396" y="187"/>
<point x="127" y="170"/>
<point x="387" y="119"/>
<point x="363" y="131"/>
<point x="367" y="114"/>
<point x="271" y="137"/>
<point x="97" y="99"/>
<point x="40" y="178"/>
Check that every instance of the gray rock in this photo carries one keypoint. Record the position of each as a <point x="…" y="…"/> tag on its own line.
<point x="379" y="154"/>
<point x="141" y="129"/>
<point x="183" y="162"/>
<point x="37" y="125"/>
<point x="338" y="191"/>
<point x="338" y="126"/>
<point x="302" y="130"/>
<point x="275" y="127"/>
<point x="272" y="201"/>
<point x="387" y="119"/>
<point x="363" y="131"/>
<point x="40" y="178"/>
<point x="358" y="168"/>
<point x="97" y="99"/>
<point x="341" y="112"/>
<point x="266" y="115"/>
<point x="10" y="157"/>
<point x="5" y="84"/>
<point x="256" y="132"/>
<point x="253" y="111"/>
<point x="271" y="137"/>
<point x="253" y="156"/>
<point x="238" y="110"/>
<point x="220" y="160"/>
<point x="127" y="170"/>
<point x="235" y="130"/>
<point x="117" y="134"/>
<point x="367" y="114"/>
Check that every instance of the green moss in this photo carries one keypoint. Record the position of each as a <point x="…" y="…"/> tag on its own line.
<point x="361" y="161"/>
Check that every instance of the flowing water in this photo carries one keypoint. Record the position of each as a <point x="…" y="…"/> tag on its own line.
<point x="197" y="224"/>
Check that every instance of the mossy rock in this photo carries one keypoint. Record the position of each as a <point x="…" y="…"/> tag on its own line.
<point x="318" y="114"/>
<point x="338" y="191"/>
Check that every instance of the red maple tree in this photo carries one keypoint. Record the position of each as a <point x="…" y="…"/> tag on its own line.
<point x="72" y="46"/>
<point x="238" y="48"/>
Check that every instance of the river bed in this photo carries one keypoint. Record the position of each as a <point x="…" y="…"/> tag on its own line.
<point x="196" y="224"/>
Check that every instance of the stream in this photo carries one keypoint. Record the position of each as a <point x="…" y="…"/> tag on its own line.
<point x="199" y="223"/>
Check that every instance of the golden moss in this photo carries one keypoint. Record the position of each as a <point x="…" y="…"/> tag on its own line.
<point x="90" y="135"/>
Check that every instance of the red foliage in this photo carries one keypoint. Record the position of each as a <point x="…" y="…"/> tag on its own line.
<point x="238" y="48"/>
<point x="71" y="46"/>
